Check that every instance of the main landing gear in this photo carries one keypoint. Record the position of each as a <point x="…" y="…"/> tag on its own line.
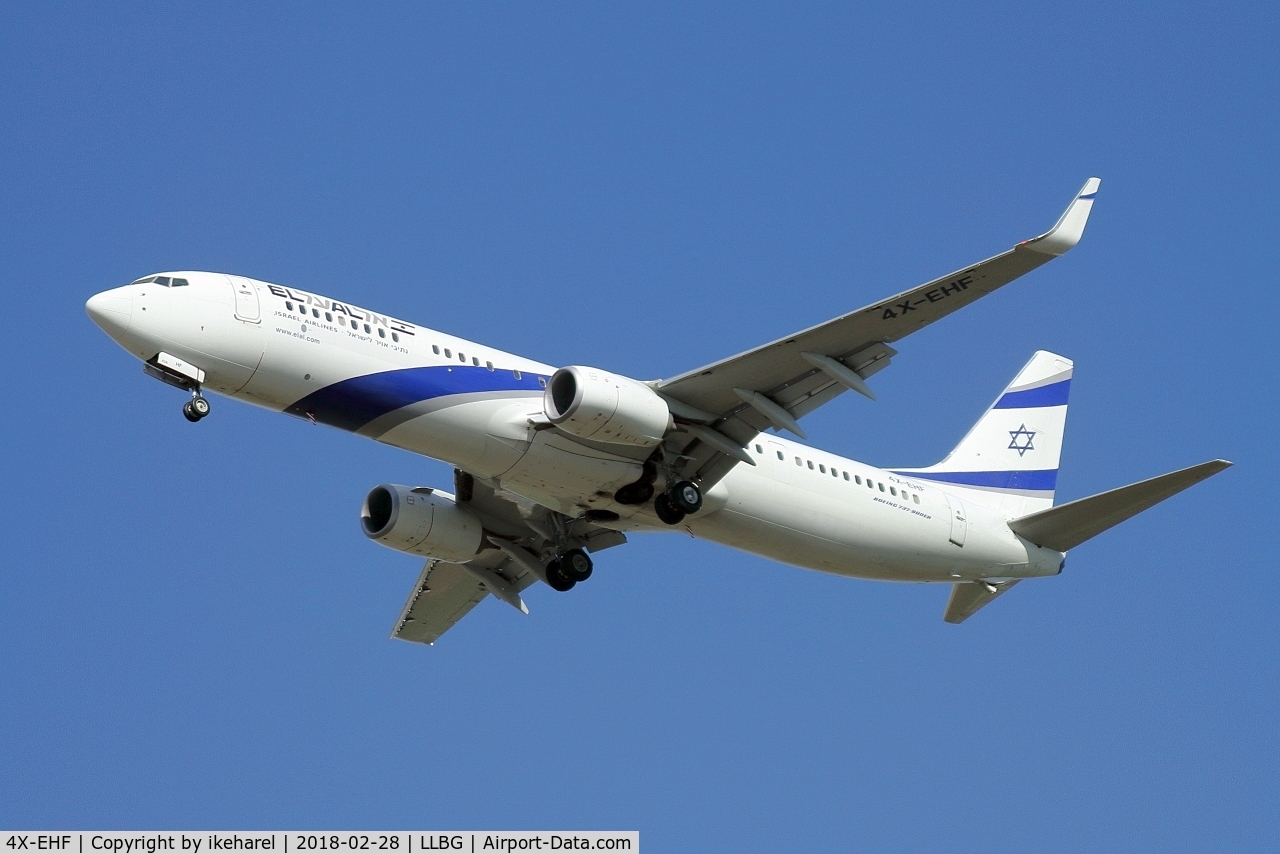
<point x="568" y="569"/>
<point x="679" y="501"/>
<point x="195" y="408"/>
<point x="672" y="506"/>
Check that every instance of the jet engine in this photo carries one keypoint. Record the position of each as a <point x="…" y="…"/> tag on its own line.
<point x="421" y="521"/>
<point x="593" y="404"/>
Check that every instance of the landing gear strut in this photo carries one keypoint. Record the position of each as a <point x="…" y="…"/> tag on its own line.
<point x="568" y="569"/>
<point x="679" y="501"/>
<point x="195" y="408"/>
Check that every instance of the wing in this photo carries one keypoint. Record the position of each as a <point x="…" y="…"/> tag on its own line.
<point x="520" y="533"/>
<point x="724" y="405"/>
<point x="445" y="592"/>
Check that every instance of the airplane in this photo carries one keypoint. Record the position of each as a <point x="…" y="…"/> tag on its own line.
<point x="552" y="465"/>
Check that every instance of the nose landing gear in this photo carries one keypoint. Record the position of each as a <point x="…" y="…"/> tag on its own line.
<point x="195" y="408"/>
<point x="173" y="371"/>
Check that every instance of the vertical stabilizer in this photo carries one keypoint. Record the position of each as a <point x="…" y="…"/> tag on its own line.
<point x="1009" y="459"/>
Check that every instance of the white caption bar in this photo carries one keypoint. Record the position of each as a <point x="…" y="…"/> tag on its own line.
<point x="308" y="841"/>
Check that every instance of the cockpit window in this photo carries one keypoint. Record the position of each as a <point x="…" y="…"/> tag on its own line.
<point x="162" y="280"/>
<point x="145" y="281"/>
<point x="180" y="283"/>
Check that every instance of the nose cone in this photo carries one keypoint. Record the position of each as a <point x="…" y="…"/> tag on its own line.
<point x="112" y="310"/>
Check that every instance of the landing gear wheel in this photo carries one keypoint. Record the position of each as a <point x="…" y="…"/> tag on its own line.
<point x="576" y="564"/>
<point x="667" y="511"/>
<point x="558" y="577"/>
<point x="687" y="497"/>
<point x="195" y="408"/>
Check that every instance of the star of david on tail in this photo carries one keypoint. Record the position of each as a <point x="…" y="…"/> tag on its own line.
<point x="1024" y="434"/>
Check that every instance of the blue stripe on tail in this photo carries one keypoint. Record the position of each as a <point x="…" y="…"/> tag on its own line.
<point x="1054" y="394"/>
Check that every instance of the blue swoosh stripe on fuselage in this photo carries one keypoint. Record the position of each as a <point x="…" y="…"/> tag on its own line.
<point x="1054" y="394"/>
<point x="1040" y="479"/>
<point x="353" y="403"/>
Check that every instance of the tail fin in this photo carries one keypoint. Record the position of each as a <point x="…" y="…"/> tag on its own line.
<point x="1009" y="459"/>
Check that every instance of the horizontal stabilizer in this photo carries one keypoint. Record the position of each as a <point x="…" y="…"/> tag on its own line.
<point x="1068" y="525"/>
<point x="967" y="597"/>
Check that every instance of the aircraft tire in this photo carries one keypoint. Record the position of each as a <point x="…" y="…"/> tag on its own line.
<point x="188" y="414"/>
<point x="667" y="511"/>
<point x="577" y="565"/>
<point x="687" y="497"/>
<point x="558" y="577"/>
<point x="199" y="406"/>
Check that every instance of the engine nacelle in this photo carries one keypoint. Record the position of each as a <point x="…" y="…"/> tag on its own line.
<point x="421" y="522"/>
<point x="595" y="404"/>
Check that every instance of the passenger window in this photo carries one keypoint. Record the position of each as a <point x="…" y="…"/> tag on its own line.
<point x="476" y="362"/>
<point x="759" y="450"/>
<point x="514" y="373"/>
<point x="288" y="305"/>
<point x="162" y="280"/>
<point x="328" y="317"/>
<point x="542" y="381"/>
<point x="395" y="337"/>
<point x="893" y="491"/>
<point x="462" y="358"/>
<point x="489" y="365"/>
<point x="435" y="348"/>
<point x="447" y="353"/>
<point x="302" y="308"/>
<point x="382" y="333"/>
<point x="366" y="329"/>
<point x="810" y="465"/>
<point x="798" y="462"/>
<point x="180" y="283"/>
<point x="315" y="312"/>
<point x="835" y="473"/>
<point x="881" y="485"/>
<point x="915" y="498"/>
<point x="846" y="475"/>
<point x="780" y="455"/>
<point x="342" y="321"/>
<point x="857" y="478"/>
<point x="821" y="468"/>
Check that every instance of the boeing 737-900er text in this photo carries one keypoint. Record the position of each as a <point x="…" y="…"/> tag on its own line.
<point x="553" y="465"/>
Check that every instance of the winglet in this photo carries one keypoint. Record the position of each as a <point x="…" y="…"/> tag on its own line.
<point x="1070" y="226"/>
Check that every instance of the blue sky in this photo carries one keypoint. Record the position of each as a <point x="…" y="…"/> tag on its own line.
<point x="193" y="632"/>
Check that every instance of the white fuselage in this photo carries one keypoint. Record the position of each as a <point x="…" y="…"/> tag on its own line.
<point x="481" y="410"/>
